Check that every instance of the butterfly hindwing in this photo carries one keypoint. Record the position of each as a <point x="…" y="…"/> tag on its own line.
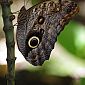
<point x="39" y="26"/>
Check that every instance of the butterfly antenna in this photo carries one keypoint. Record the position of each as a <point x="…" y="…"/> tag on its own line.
<point x="25" y="2"/>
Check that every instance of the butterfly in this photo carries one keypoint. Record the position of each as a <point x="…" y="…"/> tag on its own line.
<point x="39" y="26"/>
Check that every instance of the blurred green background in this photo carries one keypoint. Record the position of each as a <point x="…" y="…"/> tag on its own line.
<point x="66" y="65"/>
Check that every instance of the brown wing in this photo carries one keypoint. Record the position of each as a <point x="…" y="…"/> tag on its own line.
<point x="21" y="29"/>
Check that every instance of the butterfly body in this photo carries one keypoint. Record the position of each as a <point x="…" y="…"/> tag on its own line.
<point x="39" y="26"/>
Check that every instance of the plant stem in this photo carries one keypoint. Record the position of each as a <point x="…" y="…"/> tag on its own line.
<point x="9" y="34"/>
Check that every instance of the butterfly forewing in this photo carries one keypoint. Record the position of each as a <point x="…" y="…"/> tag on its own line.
<point x="39" y="26"/>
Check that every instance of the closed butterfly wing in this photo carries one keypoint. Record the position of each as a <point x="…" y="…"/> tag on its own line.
<point x="39" y="26"/>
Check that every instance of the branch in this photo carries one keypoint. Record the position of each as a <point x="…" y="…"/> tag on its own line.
<point x="9" y="34"/>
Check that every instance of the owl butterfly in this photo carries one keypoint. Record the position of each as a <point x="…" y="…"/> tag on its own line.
<point x="39" y="26"/>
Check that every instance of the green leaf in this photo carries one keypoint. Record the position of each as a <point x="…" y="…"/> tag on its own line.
<point x="73" y="39"/>
<point x="34" y="2"/>
<point x="66" y="37"/>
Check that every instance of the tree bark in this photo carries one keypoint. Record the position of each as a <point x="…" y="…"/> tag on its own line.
<point x="9" y="34"/>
